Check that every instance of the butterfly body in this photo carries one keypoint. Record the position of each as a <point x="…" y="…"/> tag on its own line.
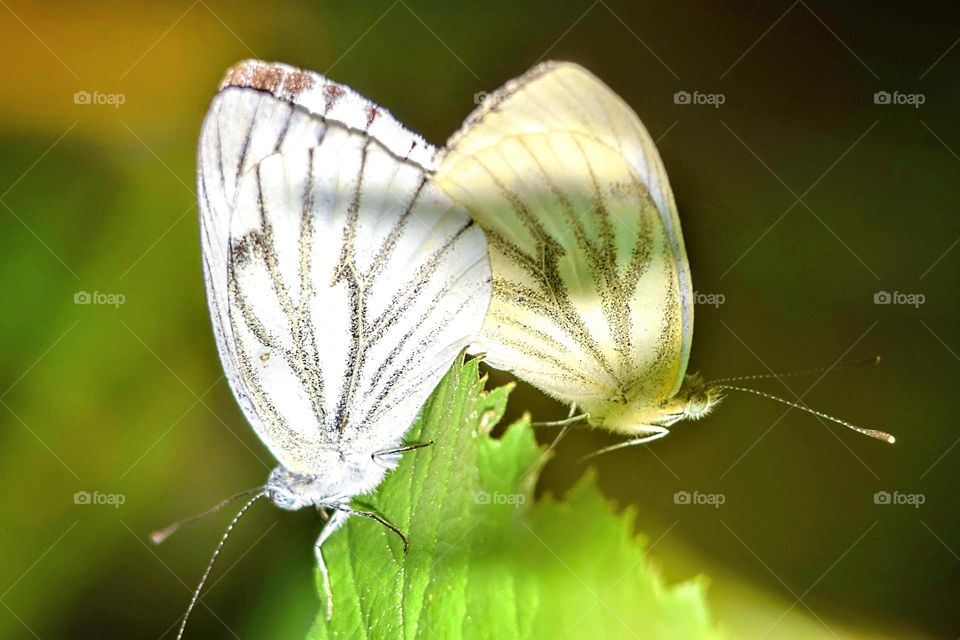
<point x="291" y="491"/>
<point x="631" y="416"/>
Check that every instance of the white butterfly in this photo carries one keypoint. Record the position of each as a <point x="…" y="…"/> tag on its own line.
<point x="341" y="282"/>
<point x="593" y="301"/>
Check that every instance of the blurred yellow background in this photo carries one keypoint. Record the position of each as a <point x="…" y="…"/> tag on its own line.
<point x="803" y="196"/>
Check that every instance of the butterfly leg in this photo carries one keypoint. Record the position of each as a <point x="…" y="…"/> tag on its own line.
<point x="570" y="419"/>
<point x="653" y="432"/>
<point x="407" y="447"/>
<point x="563" y="432"/>
<point x="336" y="521"/>
<point x="373" y="515"/>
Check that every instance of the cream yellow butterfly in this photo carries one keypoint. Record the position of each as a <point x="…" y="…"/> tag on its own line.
<point x="593" y="301"/>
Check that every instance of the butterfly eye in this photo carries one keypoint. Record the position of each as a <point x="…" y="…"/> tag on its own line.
<point x="283" y="500"/>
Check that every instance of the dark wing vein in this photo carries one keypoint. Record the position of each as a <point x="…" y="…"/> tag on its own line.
<point x="347" y="271"/>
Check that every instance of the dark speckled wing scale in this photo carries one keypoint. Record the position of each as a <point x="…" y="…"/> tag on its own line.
<point x="341" y="282"/>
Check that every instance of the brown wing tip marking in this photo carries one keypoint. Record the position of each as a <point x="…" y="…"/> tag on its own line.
<point x="372" y="114"/>
<point x="296" y="83"/>
<point x="332" y="93"/>
<point x="283" y="83"/>
<point x="254" y="75"/>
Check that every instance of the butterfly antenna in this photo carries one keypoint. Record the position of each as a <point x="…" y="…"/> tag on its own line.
<point x="159" y="536"/>
<point x="873" y="433"/>
<point x="865" y="362"/>
<point x="216" y="552"/>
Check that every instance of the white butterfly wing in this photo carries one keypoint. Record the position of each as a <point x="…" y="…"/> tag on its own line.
<point x="341" y="283"/>
<point x="592" y="293"/>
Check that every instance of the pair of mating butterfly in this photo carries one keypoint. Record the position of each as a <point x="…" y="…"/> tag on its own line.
<point x="348" y="262"/>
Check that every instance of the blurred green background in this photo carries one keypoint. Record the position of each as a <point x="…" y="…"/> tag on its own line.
<point x="800" y="196"/>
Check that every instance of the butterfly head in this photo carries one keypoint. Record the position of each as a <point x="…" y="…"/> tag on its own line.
<point x="290" y="490"/>
<point x="696" y="398"/>
<point x="335" y="479"/>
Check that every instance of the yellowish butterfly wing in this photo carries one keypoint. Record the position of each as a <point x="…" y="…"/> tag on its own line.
<point x="592" y="295"/>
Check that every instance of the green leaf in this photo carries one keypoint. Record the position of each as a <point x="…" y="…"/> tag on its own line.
<point x="485" y="561"/>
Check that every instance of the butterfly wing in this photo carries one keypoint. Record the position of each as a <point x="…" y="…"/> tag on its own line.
<point x="342" y="284"/>
<point x="592" y="293"/>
